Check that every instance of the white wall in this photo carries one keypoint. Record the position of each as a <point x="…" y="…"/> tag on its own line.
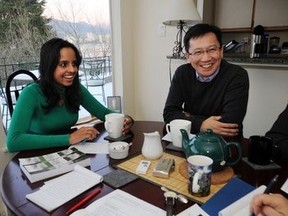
<point x="268" y="97"/>
<point x="146" y="75"/>
<point x="144" y="53"/>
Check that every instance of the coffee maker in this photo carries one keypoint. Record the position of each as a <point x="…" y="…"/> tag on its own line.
<point x="256" y="48"/>
<point x="274" y="45"/>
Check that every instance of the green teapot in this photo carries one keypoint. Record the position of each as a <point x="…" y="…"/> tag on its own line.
<point x="213" y="146"/>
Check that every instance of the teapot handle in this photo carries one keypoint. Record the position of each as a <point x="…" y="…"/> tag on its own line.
<point x="239" y="151"/>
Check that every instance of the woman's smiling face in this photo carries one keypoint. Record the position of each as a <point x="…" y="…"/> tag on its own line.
<point x="205" y="54"/>
<point x="66" y="69"/>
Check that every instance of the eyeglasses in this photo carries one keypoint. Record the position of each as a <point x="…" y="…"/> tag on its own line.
<point x="210" y="51"/>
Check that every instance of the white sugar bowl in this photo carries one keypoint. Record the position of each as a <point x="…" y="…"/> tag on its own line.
<point x="118" y="150"/>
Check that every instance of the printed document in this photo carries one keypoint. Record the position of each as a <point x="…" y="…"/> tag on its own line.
<point x="120" y="203"/>
<point x="58" y="191"/>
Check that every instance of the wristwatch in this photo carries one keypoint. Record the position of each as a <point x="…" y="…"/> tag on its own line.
<point x="170" y="198"/>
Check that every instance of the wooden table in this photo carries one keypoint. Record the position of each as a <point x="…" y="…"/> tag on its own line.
<point x="15" y="186"/>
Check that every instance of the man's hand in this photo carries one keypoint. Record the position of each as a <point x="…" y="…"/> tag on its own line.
<point x="220" y="128"/>
<point x="269" y="205"/>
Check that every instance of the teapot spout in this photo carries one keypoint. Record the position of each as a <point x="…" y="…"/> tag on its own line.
<point x="185" y="139"/>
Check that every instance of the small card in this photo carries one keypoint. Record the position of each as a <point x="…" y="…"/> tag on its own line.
<point x="119" y="178"/>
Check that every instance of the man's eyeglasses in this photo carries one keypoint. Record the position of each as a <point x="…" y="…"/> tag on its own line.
<point x="210" y="51"/>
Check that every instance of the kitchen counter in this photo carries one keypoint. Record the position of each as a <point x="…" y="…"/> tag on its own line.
<point x="275" y="60"/>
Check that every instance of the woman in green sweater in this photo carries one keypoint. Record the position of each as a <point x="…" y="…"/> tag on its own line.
<point x="46" y="110"/>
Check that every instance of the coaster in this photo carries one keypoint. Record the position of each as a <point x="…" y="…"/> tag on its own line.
<point x="220" y="177"/>
<point x="272" y="165"/>
<point x="170" y="146"/>
<point x="118" y="178"/>
<point x="122" y="138"/>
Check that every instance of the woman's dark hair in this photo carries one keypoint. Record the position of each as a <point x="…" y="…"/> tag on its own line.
<point x="49" y="59"/>
<point x="199" y="30"/>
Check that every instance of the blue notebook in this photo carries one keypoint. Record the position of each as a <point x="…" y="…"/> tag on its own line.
<point x="232" y="191"/>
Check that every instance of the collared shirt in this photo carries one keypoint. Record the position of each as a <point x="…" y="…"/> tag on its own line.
<point x="207" y="79"/>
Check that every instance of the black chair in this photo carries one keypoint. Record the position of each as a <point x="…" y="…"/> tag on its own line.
<point x="14" y="89"/>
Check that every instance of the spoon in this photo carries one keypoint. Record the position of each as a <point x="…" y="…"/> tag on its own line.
<point x="180" y="197"/>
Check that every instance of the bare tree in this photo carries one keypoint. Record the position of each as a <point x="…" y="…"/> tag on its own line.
<point x="92" y="40"/>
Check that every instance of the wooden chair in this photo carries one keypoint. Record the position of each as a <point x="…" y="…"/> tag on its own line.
<point x="5" y="157"/>
<point x="13" y="89"/>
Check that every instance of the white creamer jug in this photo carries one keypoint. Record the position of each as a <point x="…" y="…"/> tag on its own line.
<point x="152" y="147"/>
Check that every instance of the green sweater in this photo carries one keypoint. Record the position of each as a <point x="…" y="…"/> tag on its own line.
<point x="32" y="128"/>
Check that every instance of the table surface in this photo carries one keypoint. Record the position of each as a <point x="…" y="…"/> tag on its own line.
<point x="15" y="186"/>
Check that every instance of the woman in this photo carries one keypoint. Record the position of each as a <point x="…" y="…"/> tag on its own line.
<point x="46" y="110"/>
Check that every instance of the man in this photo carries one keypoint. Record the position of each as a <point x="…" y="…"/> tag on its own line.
<point x="279" y="133"/>
<point x="208" y="91"/>
<point x="269" y="205"/>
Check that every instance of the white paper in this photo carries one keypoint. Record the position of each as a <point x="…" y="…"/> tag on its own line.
<point x="93" y="147"/>
<point x="60" y="190"/>
<point x="242" y="206"/>
<point x="87" y="123"/>
<point x="285" y="186"/>
<point x="168" y="137"/>
<point x="194" y="210"/>
<point x="120" y="203"/>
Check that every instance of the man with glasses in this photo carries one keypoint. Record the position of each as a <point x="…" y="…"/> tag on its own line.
<point x="208" y="91"/>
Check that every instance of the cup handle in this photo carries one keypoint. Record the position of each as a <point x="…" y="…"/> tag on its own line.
<point x="168" y="128"/>
<point x="239" y="151"/>
<point x="107" y="126"/>
<point x="195" y="185"/>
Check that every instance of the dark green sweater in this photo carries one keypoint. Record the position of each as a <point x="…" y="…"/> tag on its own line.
<point x="32" y="128"/>
<point x="226" y="95"/>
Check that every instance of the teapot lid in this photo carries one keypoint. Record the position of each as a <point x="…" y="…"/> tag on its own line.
<point x="208" y="135"/>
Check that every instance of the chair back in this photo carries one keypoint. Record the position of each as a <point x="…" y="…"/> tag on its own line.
<point x="94" y="70"/>
<point x="13" y="89"/>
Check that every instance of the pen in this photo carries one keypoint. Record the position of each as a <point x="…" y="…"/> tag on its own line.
<point x="84" y="141"/>
<point x="269" y="187"/>
<point x="83" y="201"/>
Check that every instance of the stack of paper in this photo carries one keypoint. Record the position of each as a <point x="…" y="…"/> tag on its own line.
<point x="242" y="206"/>
<point x="50" y="165"/>
<point x="120" y="203"/>
<point x="60" y="190"/>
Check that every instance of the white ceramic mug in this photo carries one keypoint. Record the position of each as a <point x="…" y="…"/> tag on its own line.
<point x="114" y="124"/>
<point x="173" y="128"/>
<point x="199" y="173"/>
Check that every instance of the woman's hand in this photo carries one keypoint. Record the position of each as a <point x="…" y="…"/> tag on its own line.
<point x="84" y="133"/>
<point x="128" y="122"/>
